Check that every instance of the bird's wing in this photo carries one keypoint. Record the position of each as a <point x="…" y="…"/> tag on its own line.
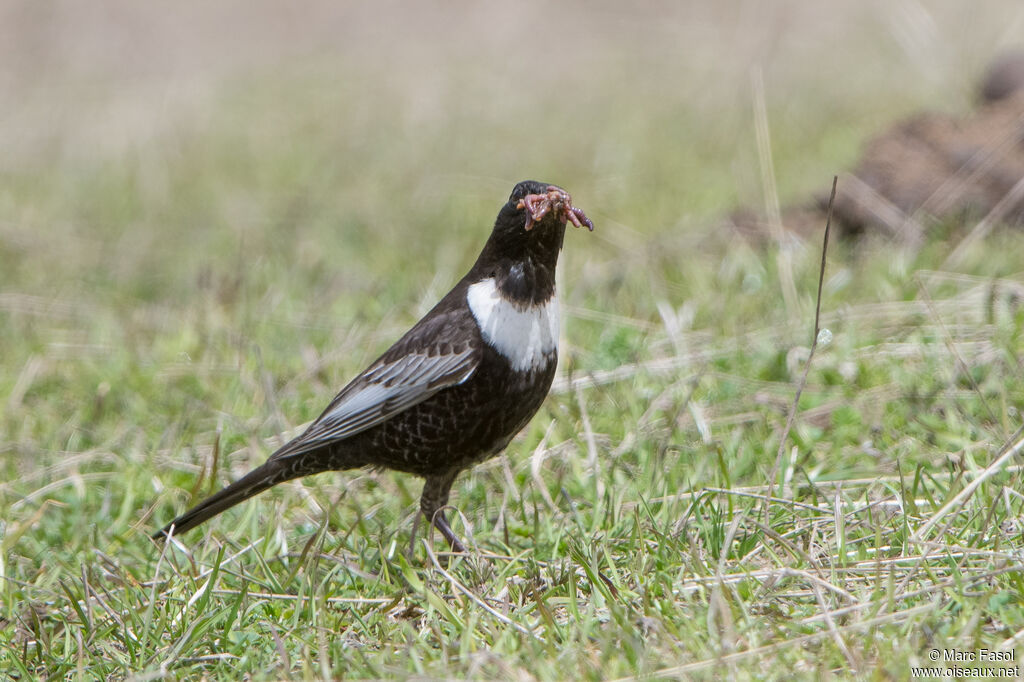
<point x="418" y="366"/>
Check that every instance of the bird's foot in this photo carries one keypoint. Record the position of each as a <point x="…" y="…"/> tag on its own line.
<point x="441" y="523"/>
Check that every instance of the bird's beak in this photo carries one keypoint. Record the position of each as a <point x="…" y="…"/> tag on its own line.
<point x="556" y="201"/>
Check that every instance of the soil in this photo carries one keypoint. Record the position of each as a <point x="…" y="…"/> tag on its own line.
<point x="928" y="169"/>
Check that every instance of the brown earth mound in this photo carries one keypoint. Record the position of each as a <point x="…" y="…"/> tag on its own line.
<point x="930" y="167"/>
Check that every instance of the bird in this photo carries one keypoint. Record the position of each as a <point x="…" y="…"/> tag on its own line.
<point x="456" y="388"/>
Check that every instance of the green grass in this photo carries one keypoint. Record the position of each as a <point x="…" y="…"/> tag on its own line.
<point x="170" y="311"/>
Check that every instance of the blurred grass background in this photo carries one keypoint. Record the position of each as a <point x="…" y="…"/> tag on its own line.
<point x="212" y="217"/>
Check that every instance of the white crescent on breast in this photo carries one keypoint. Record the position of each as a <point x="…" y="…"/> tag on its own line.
<point x="526" y="337"/>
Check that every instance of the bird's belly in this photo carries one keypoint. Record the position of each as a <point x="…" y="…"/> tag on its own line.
<point x="462" y="425"/>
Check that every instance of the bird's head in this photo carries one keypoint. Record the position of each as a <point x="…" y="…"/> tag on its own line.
<point x="534" y="218"/>
<point x="523" y="248"/>
<point x="533" y="204"/>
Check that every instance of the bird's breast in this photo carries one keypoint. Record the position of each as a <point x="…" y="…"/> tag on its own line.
<point x="525" y="335"/>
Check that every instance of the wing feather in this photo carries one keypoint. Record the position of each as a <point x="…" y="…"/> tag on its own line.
<point x="382" y="391"/>
<point x="442" y="350"/>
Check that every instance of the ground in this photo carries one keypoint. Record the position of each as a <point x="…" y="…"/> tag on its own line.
<point x="210" y="222"/>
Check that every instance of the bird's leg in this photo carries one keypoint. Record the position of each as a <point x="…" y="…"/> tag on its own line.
<point x="432" y="502"/>
<point x="412" y="537"/>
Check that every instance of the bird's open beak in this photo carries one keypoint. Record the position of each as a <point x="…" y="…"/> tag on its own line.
<point x="557" y="202"/>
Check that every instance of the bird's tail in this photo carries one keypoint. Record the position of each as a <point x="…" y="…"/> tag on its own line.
<point x="253" y="483"/>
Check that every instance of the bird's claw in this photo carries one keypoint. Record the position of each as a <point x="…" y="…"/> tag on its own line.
<point x="556" y="200"/>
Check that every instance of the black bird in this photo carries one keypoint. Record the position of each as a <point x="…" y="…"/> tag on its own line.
<point x="457" y="387"/>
